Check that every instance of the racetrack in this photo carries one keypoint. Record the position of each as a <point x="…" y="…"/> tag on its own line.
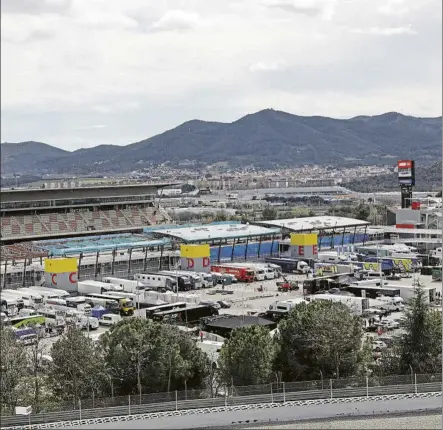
<point x="269" y="418"/>
<point x="394" y="422"/>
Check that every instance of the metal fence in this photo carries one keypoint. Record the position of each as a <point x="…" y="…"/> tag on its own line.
<point x="96" y="407"/>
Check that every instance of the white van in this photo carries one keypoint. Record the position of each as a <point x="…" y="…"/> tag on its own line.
<point x="109" y="319"/>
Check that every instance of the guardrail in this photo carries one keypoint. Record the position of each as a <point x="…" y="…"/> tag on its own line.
<point x="281" y="395"/>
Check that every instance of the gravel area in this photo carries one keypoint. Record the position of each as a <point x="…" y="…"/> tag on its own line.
<point x="428" y="421"/>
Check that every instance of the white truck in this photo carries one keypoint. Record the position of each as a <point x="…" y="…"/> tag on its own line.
<point x="285" y="305"/>
<point x="393" y="304"/>
<point x="357" y="305"/>
<point x="128" y="285"/>
<point x="407" y="292"/>
<point x="156" y="281"/>
<point x="30" y="298"/>
<point x="97" y="287"/>
<point x="12" y="298"/>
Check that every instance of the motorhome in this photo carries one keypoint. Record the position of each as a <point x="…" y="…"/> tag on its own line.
<point x="129" y="286"/>
<point x="56" y="293"/>
<point x="97" y="287"/>
<point x="157" y="281"/>
<point x="286" y="305"/>
<point x="195" y="278"/>
<point x="357" y="305"/>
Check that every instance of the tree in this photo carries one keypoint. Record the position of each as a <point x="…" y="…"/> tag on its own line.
<point x="187" y="188"/>
<point x="221" y="216"/>
<point x="321" y="338"/>
<point x="12" y="370"/>
<point x="142" y="353"/>
<point x="77" y="368"/>
<point x="420" y="347"/>
<point x="248" y="356"/>
<point x="269" y="213"/>
<point x="35" y="357"/>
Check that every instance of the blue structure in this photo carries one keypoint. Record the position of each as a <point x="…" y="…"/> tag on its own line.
<point x="245" y="251"/>
<point x="329" y="242"/>
<point x="93" y="244"/>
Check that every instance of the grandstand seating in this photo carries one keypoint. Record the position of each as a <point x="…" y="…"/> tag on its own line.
<point x="74" y="222"/>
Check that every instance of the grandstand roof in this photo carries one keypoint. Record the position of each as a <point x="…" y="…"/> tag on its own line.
<point x="97" y="243"/>
<point x="108" y="191"/>
<point x="214" y="231"/>
<point x="314" y="223"/>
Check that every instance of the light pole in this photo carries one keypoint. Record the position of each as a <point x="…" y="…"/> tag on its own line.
<point x="138" y="298"/>
<point x="321" y="376"/>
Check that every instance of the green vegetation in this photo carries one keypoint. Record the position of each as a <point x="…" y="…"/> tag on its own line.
<point x="140" y="353"/>
<point x="319" y="340"/>
<point x="77" y="369"/>
<point x="247" y="357"/>
<point x="419" y="349"/>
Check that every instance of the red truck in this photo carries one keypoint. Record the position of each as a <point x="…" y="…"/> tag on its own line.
<point x="244" y="274"/>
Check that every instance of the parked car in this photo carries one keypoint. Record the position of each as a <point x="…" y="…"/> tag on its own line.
<point x="224" y="304"/>
<point x="109" y="319"/>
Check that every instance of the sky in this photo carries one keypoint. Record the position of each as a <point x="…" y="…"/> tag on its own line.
<point x="81" y="73"/>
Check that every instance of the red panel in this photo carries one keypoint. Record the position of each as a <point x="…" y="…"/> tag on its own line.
<point x="405" y="226"/>
<point x="404" y="164"/>
<point x="301" y="250"/>
<point x="314" y="250"/>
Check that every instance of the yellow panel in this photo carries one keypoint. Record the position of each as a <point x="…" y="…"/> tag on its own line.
<point x="304" y="239"/>
<point x="375" y="267"/>
<point x="195" y="251"/>
<point x="60" y="265"/>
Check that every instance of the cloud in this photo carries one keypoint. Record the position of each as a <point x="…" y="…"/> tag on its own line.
<point x="92" y="127"/>
<point x="393" y="7"/>
<point x="178" y="20"/>
<point x="388" y="31"/>
<point x="142" y="66"/>
<point x="311" y="8"/>
<point x="35" y="7"/>
<point x="267" y="66"/>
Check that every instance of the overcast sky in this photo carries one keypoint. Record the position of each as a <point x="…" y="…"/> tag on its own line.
<point x="78" y="73"/>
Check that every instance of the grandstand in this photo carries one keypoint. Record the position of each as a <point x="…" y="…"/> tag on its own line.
<point x="27" y="214"/>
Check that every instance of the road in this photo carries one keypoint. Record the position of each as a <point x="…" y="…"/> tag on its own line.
<point x="410" y="421"/>
<point x="280" y="414"/>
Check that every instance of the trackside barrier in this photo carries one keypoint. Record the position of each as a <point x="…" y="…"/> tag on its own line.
<point x="267" y="393"/>
<point x="218" y="409"/>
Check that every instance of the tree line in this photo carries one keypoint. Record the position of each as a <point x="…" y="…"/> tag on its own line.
<point x="321" y="339"/>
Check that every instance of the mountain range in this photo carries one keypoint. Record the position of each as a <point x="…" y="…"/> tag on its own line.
<point x="265" y="139"/>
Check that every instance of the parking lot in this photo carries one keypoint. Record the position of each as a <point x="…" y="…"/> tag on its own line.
<point x="258" y="296"/>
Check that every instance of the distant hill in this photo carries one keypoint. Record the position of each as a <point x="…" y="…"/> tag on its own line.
<point x="265" y="139"/>
<point x="25" y="157"/>
<point x="427" y="178"/>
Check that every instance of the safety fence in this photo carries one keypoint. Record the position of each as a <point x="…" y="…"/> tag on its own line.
<point x="229" y="396"/>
